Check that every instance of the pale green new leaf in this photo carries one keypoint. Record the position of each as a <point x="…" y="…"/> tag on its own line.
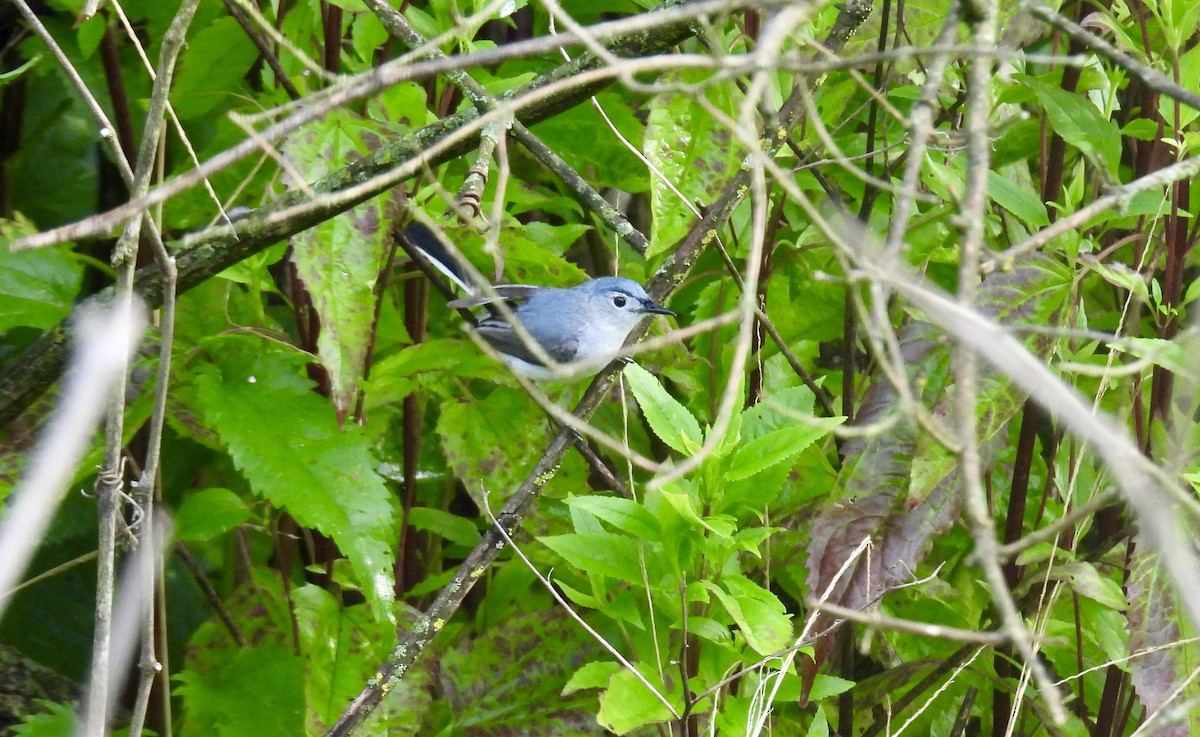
<point x="759" y="614"/>
<point x="670" y="420"/>
<point x="591" y="675"/>
<point x="628" y="703"/>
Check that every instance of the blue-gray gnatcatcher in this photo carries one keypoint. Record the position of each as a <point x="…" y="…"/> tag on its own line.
<point x="582" y="327"/>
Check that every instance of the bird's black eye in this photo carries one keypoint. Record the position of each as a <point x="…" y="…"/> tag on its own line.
<point x="619" y="300"/>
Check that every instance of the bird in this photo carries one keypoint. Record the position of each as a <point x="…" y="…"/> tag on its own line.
<point x="582" y="327"/>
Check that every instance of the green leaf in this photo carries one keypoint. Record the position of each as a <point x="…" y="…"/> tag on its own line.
<point x="340" y="259"/>
<point x="825" y="686"/>
<point x="624" y="514"/>
<point x="454" y="528"/>
<point x="1166" y="353"/>
<point x="820" y="724"/>
<point x="230" y="699"/>
<point x="510" y="679"/>
<point x="628" y="703"/>
<point x="367" y="36"/>
<point x="209" y="513"/>
<point x="681" y="501"/>
<point x="56" y="720"/>
<point x="775" y="447"/>
<point x="1181" y="116"/>
<point x="1082" y="125"/>
<point x="1142" y="129"/>
<point x="669" y="419"/>
<point x="37" y="287"/>
<point x="591" y="675"/>
<point x="6" y="77"/>
<point x="1018" y="200"/>
<point x="606" y="158"/>
<point x="481" y="447"/>
<point x="761" y="617"/>
<point x="1120" y="275"/>
<point x="693" y="154"/>
<point x="340" y="644"/>
<point x="214" y="67"/>
<point x="605" y="553"/>
<point x="322" y="475"/>
<point x="1039" y="552"/>
<point x="1087" y="581"/>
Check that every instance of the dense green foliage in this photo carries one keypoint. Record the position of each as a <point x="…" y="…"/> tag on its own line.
<point x="336" y="445"/>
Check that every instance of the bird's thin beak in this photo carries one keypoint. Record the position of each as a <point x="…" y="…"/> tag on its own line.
<point x="650" y="307"/>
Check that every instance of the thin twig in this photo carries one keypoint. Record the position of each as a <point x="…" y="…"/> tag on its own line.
<point x="125" y="260"/>
<point x="883" y="621"/>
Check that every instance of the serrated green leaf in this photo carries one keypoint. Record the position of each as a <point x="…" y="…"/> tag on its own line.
<point x="774" y="447"/>
<point x="509" y="678"/>
<point x="825" y="686"/>
<point x="777" y="410"/>
<point x="605" y="553"/>
<point x="339" y="643"/>
<point x="324" y="476"/>
<point x="693" y="154"/>
<point x="232" y="694"/>
<point x="481" y="447"/>
<point x="625" y="514"/>
<point x="669" y="419"/>
<point x="1087" y="581"/>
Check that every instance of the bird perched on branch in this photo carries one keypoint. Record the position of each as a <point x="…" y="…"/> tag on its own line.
<point x="567" y="332"/>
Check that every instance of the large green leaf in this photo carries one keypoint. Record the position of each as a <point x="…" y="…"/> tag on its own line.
<point x="492" y="443"/>
<point x="511" y="678"/>
<point x="215" y="68"/>
<point x="628" y="703"/>
<point x="343" y="645"/>
<point x="605" y="553"/>
<point x="284" y="439"/>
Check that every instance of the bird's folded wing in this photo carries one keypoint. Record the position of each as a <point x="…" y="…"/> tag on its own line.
<point x="500" y="335"/>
